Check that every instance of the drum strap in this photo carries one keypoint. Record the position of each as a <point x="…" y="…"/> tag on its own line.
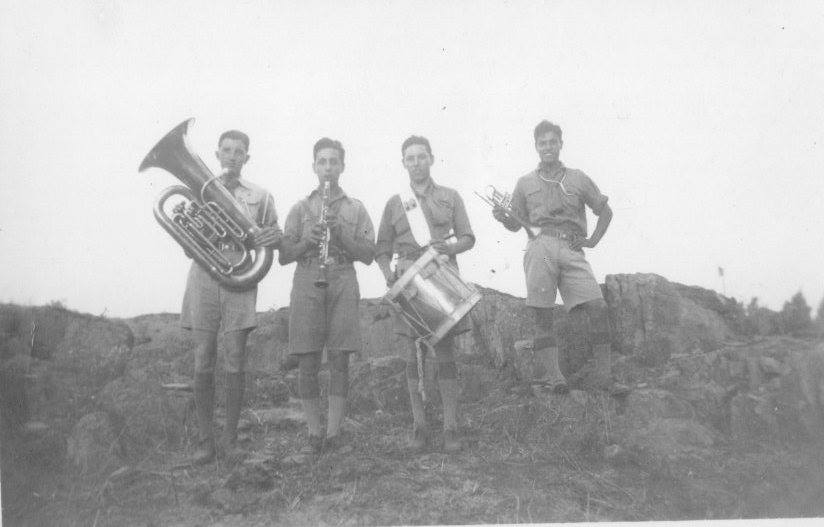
<point x="414" y="215"/>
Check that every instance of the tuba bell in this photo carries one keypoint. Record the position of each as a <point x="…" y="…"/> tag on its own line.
<point x="208" y="217"/>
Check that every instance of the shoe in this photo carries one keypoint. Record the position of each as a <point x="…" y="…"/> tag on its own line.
<point x="613" y="388"/>
<point x="204" y="454"/>
<point x="417" y="442"/>
<point x="451" y="443"/>
<point x="337" y="443"/>
<point x="233" y="454"/>
<point x="313" y="446"/>
<point x="289" y="363"/>
<point x="559" y="387"/>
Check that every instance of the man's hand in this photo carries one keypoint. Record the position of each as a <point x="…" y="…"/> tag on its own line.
<point x="579" y="242"/>
<point x="315" y="235"/>
<point x="385" y="309"/>
<point x="500" y="214"/>
<point x="442" y="247"/>
<point x="267" y="237"/>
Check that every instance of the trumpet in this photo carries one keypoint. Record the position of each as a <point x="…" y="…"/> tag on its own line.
<point x="503" y="201"/>
<point x="324" y="261"/>
<point x="209" y="217"/>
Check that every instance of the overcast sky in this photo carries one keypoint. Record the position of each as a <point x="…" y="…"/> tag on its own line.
<point x="702" y="121"/>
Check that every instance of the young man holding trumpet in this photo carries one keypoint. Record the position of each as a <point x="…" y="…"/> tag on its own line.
<point x="552" y="198"/>
<point x="325" y="233"/>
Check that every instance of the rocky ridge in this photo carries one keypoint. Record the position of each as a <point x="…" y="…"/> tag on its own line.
<point x="706" y="404"/>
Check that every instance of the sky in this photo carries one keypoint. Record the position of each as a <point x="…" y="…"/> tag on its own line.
<point x="702" y="121"/>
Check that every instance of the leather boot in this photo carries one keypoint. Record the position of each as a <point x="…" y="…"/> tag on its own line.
<point x="337" y="411"/>
<point x="204" y="393"/>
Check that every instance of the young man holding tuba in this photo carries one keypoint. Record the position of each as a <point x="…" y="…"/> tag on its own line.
<point x="552" y="197"/>
<point x="444" y="216"/>
<point x="323" y="310"/>
<point x="209" y="306"/>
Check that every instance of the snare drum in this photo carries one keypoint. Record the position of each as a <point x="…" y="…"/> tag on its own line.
<point x="432" y="296"/>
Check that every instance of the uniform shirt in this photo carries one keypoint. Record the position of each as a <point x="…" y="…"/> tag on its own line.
<point x="352" y="218"/>
<point x="258" y="205"/>
<point x="557" y="204"/>
<point x="444" y="211"/>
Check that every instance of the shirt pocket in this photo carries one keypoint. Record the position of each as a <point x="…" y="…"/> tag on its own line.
<point x="348" y="219"/>
<point x="250" y="205"/>
<point x="442" y="212"/>
<point x="536" y="202"/>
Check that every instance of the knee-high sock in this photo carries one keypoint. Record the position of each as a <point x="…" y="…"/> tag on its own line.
<point x="415" y="400"/>
<point x="235" y="384"/>
<point x="338" y="390"/>
<point x="448" y="385"/>
<point x="204" y="392"/>
<point x="547" y="349"/>
<point x="309" y="391"/>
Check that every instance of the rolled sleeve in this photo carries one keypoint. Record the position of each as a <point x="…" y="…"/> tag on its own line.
<point x="293" y="229"/>
<point x="268" y="214"/>
<point x="460" y="220"/>
<point x="386" y="231"/>
<point x="592" y="196"/>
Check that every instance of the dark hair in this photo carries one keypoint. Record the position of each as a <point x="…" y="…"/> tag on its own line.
<point x="236" y="135"/>
<point x="547" y="126"/>
<point x="416" y="140"/>
<point x="325" y="142"/>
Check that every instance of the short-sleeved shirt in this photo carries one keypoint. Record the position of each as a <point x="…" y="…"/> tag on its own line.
<point x="206" y="304"/>
<point x="326" y="317"/>
<point x="559" y="202"/>
<point x="258" y="205"/>
<point x="352" y="217"/>
<point x="444" y="211"/>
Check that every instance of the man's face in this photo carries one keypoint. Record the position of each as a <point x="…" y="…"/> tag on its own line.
<point x="416" y="161"/>
<point x="232" y="155"/>
<point x="328" y="165"/>
<point x="548" y="147"/>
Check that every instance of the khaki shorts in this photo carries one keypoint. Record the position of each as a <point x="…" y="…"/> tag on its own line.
<point x="209" y="306"/>
<point x="324" y="317"/>
<point x="551" y="266"/>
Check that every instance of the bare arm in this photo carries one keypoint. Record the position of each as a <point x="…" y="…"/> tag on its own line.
<point x="601" y="226"/>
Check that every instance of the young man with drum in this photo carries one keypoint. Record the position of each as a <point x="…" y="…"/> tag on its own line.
<point x="437" y="214"/>
<point x="208" y="306"/>
<point x="323" y="312"/>
<point x="552" y="197"/>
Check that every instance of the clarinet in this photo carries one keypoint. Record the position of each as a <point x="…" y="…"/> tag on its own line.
<point x="323" y="247"/>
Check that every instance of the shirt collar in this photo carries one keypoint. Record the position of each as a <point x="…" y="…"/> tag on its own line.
<point x="430" y="187"/>
<point x="333" y="197"/>
<point x="540" y="169"/>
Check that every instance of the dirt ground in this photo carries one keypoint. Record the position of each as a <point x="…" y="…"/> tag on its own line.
<point x="506" y="474"/>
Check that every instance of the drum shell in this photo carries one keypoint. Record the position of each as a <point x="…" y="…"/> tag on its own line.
<point x="433" y="298"/>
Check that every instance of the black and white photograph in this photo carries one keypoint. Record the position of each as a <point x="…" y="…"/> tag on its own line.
<point x="379" y="263"/>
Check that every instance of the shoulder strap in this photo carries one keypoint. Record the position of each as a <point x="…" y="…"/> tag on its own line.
<point x="414" y="215"/>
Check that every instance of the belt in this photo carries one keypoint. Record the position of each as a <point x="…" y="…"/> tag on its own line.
<point x="336" y="258"/>
<point x="556" y="233"/>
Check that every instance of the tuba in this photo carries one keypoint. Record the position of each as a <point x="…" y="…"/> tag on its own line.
<point x="209" y="217"/>
<point x="503" y="201"/>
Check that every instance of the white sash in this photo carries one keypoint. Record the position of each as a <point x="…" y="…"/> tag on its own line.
<point x="414" y="215"/>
